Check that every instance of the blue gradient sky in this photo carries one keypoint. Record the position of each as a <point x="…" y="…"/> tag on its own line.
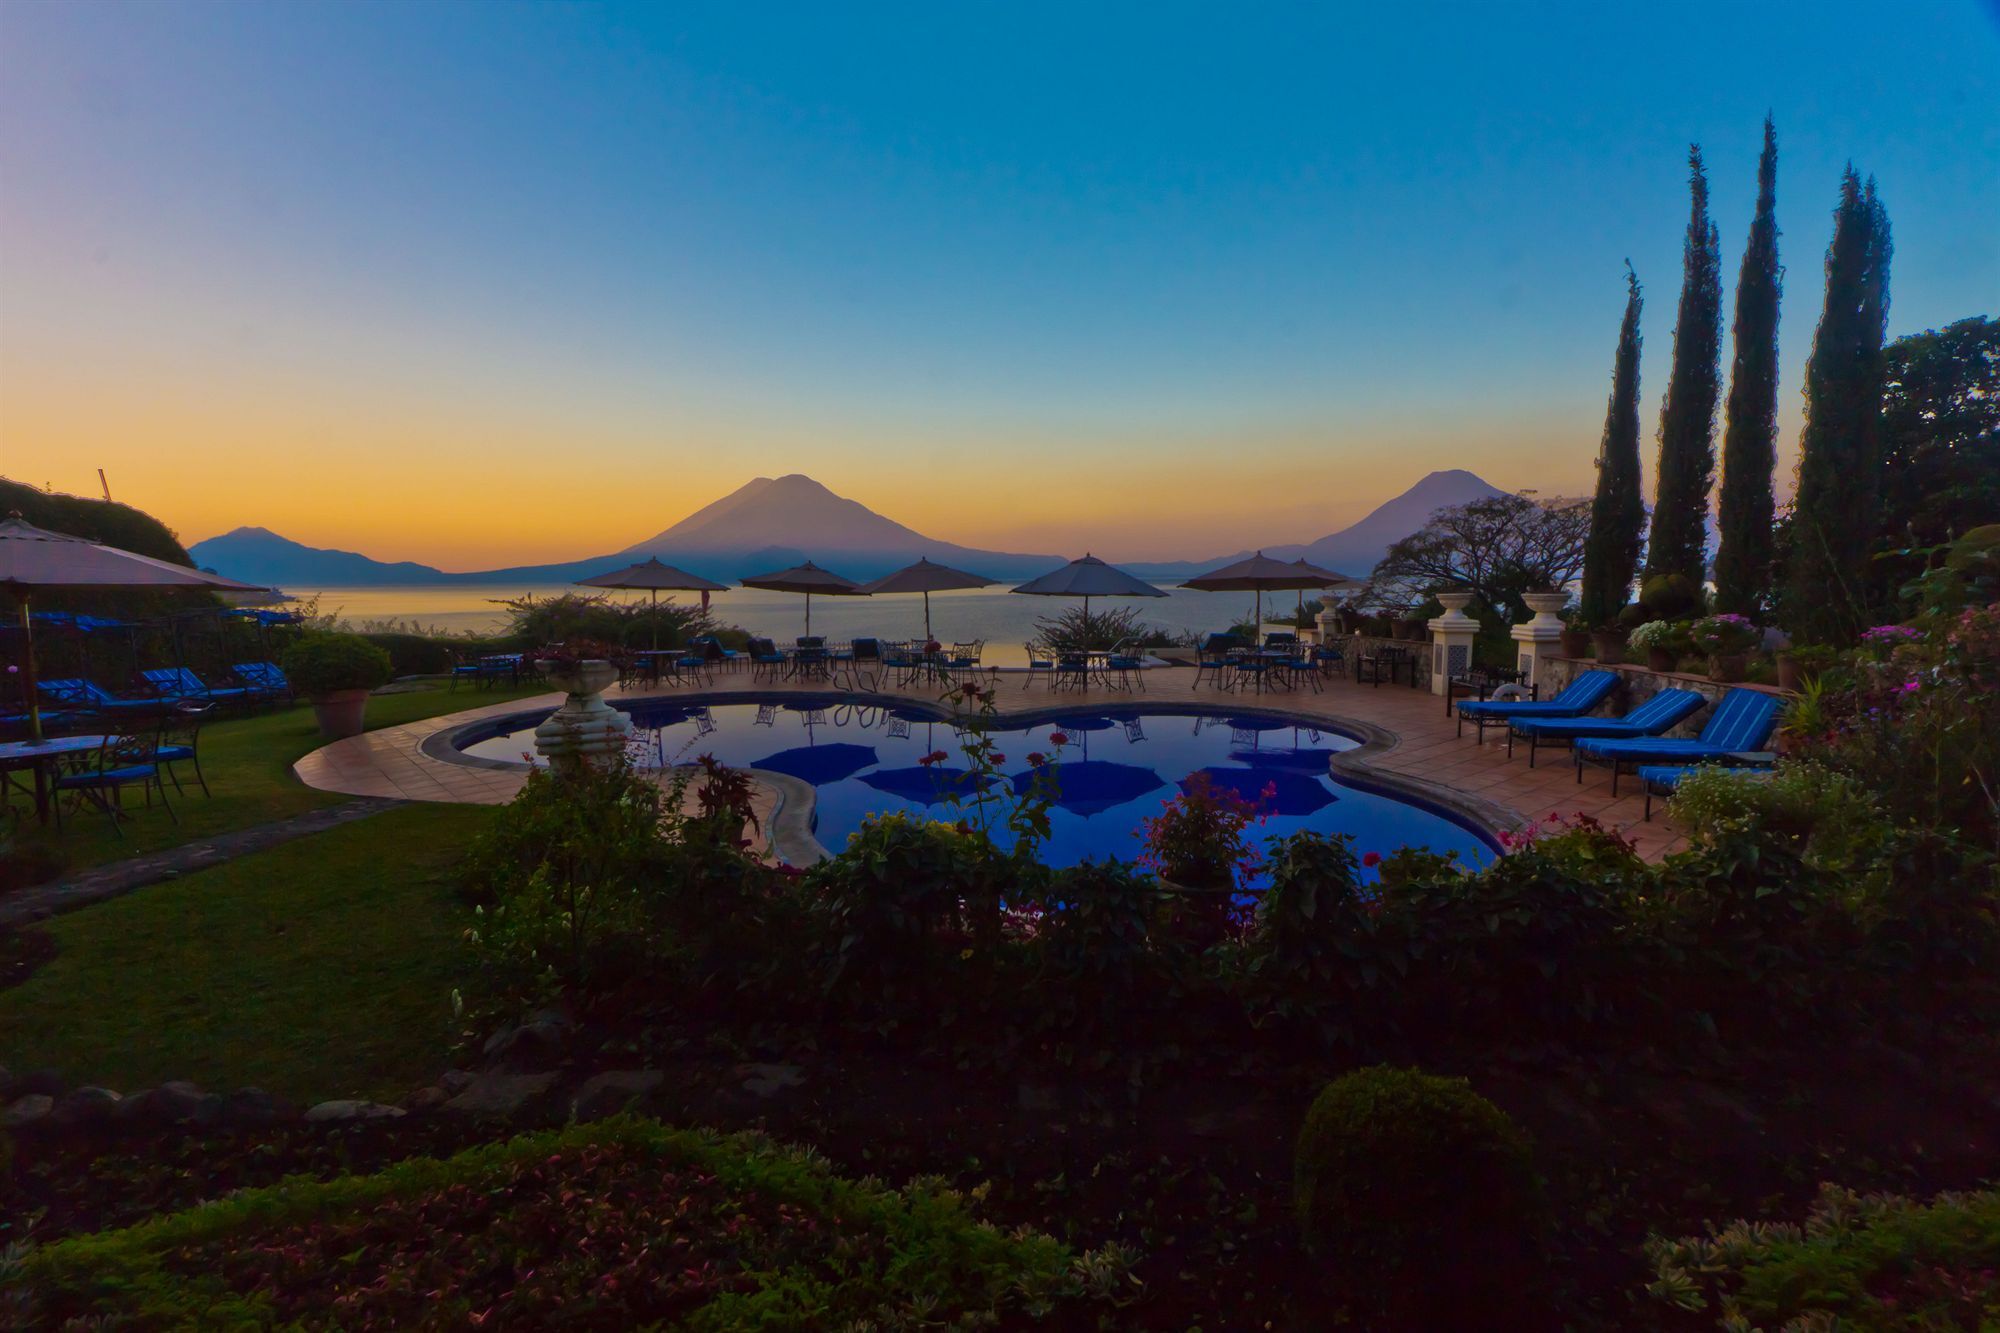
<point x="1155" y="279"/>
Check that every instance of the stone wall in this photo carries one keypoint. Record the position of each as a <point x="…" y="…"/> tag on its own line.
<point x="1636" y="684"/>
<point x="1354" y="645"/>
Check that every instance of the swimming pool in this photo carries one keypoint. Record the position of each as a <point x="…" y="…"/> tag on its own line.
<point x="1120" y="765"/>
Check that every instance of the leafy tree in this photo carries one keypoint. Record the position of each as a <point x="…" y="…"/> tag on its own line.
<point x="1618" y="511"/>
<point x="1499" y="548"/>
<point x="1940" y="433"/>
<point x="1835" y="513"/>
<point x="1750" y="436"/>
<point x="1687" y="419"/>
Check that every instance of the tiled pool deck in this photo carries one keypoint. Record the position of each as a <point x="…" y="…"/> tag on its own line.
<point x="1413" y="744"/>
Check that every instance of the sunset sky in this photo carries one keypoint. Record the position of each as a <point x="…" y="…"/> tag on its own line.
<point x="487" y="284"/>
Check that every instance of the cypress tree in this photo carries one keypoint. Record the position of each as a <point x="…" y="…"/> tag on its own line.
<point x="1618" y="510"/>
<point x="1834" y="508"/>
<point x="1679" y="539"/>
<point x="1750" y="433"/>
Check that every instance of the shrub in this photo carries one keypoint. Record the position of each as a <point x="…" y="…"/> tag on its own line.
<point x="1200" y="838"/>
<point x="1832" y="821"/>
<point x="1879" y="1262"/>
<point x="322" y="663"/>
<point x="622" y="1224"/>
<point x="413" y="654"/>
<point x="1671" y="596"/>
<point x="1097" y="948"/>
<point x="1418" y="1197"/>
<point x="1318" y="940"/>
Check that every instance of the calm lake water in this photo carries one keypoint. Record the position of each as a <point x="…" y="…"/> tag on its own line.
<point x="1004" y="620"/>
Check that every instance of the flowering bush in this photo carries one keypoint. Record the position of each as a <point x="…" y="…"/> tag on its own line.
<point x="622" y="1224"/>
<point x="1859" y="1261"/>
<point x="572" y="653"/>
<point x="1724" y="635"/>
<point x="1201" y="837"/>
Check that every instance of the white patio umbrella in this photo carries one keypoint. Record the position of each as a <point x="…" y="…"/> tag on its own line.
<point x="808" y="579"/>
<point x="653" y="576"/>
<point x="33" y="559"/>
<point x="1088" y="578"/>
<point x="1260" y="574"/>
<point x="927" y="578"/>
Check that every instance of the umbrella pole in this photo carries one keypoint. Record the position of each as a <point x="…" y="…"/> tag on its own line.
<point x="655" y="593"/>
<point x="927" y="615"/>
<point x="34" y="698"/>
<point x="809" y="615"/>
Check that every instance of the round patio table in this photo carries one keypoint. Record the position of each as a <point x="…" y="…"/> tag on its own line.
<point x="41" y="757"/>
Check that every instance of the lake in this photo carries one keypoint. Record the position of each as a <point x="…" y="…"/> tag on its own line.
<point x="1005" y="621"/>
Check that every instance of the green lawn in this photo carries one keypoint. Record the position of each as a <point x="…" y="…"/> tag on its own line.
<point x="248" y="761"/>
<point x="320" y="968"/>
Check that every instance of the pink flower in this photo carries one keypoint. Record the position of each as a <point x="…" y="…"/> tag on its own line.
<point x="999" y="758"/>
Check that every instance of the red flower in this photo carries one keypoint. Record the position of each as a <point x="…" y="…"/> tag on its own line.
<point x="1037" y="759"/>
<point x="1372" y="859"/>
<point x="1058" y="738"/>
<point x="934" y="757"/>
<point x="999" y="758"/>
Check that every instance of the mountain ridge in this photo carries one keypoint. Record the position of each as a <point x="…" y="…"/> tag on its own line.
<point x="770" y="522"/>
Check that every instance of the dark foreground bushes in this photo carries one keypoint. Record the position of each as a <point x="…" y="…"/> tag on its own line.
<point x="1877" y="1262"/>
<point x="622" y="1224"/>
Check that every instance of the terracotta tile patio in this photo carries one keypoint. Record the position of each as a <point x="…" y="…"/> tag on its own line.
<point x="391" y="762"/>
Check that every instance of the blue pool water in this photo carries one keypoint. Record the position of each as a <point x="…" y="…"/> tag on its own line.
<point x="1119" y="766"/>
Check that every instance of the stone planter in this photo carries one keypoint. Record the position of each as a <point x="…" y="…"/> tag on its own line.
<point x="1576" y="643"/>
<point x="585" y="730"/>
<point x="1610" y="645"/>
<point x="1729" y="667"/>
<point x="1661" y="659"/>
<point x="341" y="713"/>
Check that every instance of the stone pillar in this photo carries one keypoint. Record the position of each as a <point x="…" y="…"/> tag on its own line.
<point x="1539" y="638"/>
<point x="1329" y="623"/>
<point x="1451" y="640"/>
<point x="585" y="730"/>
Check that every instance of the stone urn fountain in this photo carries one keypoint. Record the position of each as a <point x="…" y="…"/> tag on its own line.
<point x="585" y="730"/>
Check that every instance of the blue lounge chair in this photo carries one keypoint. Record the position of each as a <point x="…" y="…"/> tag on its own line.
<point x="266" y="679"/>
<point x="1666" y="709"/>
<point x="1576" y="699"/>
<point x="1741" y="724"/>
<point x="1665" y="779"/>
<point x="84" y="696"/>
<point x="180" y="683"/>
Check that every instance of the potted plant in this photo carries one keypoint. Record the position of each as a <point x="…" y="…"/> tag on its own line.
<point x="336" y="672"/>
<point x="1198" y="845"/>
<point x="1609" y="640"/>
<point x="1575" y="634"/>
<point x="1660" y="640"/>
<point x="1727" y="640"/>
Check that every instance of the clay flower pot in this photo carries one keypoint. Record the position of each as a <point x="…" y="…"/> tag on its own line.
<point x="1661" y="659"/>
<point x="1610" y="645"/>
<point x="1729" y="667"/>
<point x="341" y="713"/>
<point x="1575" y="643"/>
<point x="1789" y="675"/>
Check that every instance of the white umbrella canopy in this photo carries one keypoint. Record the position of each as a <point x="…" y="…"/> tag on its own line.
<point x="1087" y="578"/>
<point x="653" y="576"/>
<point x="808" y="579"/>
<point x="32" y="559"/>
<point x="927" y="578"/>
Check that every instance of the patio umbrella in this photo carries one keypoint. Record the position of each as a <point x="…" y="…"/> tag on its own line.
<point x="926" y="578"/>
<point x="653" y="576"/>
<point x="1260" y="574"/>
<point x="1093" y="786"/>
<point x="808" y="579"/>
<point x="1088" y="578"/>
<point x="819" y="763"/>
<point x="1330" y="579"/>
<point x="1275" y="791"/>
<point x="32" y="559"/>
